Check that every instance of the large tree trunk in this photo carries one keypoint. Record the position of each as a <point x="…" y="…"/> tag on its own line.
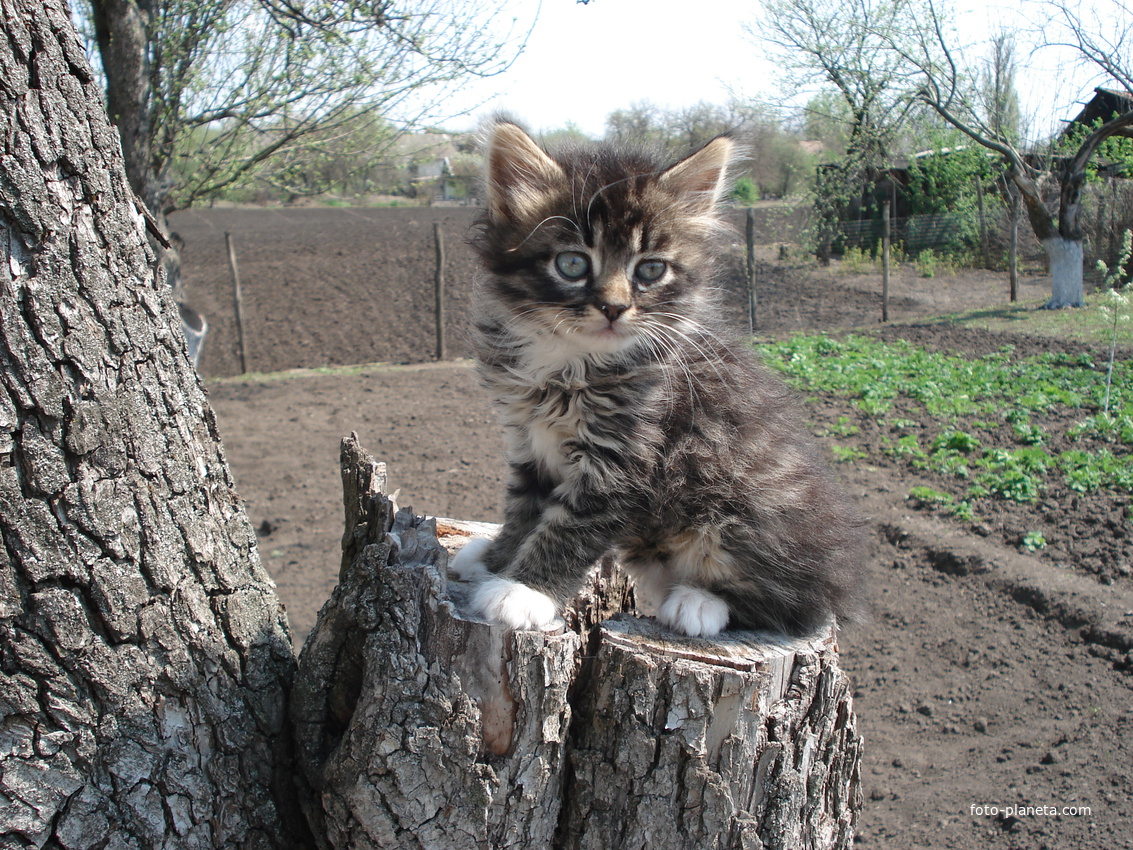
<point x="1066" y="281"/>
<point x="420" y="727"/>
<point x="1062" y="241"/>
<point x="144" y="658"/>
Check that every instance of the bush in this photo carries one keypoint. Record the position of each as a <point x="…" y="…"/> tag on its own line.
<point x="926" y="263"/>
<point x="745" y="192"/>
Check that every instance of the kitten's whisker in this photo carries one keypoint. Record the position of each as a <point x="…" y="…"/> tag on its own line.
<point x="711" y="359"/>
<point x="667" y="350"/>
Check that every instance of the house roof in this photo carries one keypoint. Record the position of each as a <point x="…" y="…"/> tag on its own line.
<point x="1102" y="107"/>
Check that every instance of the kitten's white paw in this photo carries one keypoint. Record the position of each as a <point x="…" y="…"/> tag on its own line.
<point x="694" y="611"/>
<point x="512" y="604"/>
<point x="468" y="563"/>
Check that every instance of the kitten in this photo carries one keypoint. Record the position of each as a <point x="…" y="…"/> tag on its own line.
<point x="633" y="422"/>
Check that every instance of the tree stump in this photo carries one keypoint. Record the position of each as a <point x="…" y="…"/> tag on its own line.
<point x="421" y="726"/>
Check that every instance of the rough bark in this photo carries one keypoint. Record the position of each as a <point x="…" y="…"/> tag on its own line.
<point x="144" y="657"/>
<point x="421" y="727"/>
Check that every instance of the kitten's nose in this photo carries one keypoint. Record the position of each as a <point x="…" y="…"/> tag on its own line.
<point x="613" y="311"/>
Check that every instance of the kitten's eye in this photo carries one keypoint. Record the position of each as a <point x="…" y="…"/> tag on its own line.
<point x="650" y="271"/>
<point x="572" y="265"/>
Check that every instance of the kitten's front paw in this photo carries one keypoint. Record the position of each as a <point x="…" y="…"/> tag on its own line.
<point x="694" y="612"/>
<point x="512" y="604"/>
<point x="468" y="563"/>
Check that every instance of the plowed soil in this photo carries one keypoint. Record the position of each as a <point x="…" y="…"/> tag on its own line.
<point x="993" y="686"/>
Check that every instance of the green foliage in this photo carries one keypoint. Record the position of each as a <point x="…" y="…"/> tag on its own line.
<point x="960" y="509"/>
<point x="1033" y="541"/>
<point x="930" y="496"/>
<point x="745" y="191"/>
<point x="943" y="182"/>
<point x="1028" y="434"/>
<point x="926" y="263"/>
<point x="958" y="441"/>
<point x="1113" y="154"/>
<point x="844" y="427"/>
<point x="997" y="393"/>
<point x="856" y="261"/>
<point x="847" y="454"/>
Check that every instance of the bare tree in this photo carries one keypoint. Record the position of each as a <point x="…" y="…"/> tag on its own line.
<point x="204" y="92"/>
<point x="145" y="660"/>
<point x="640" y="122"/>
<point x="1000" y="99"/>
<point x="844" y="44"/>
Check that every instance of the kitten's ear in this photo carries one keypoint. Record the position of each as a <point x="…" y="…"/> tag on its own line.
<point x="519" y="173"/>
<point x="700" y="178"/>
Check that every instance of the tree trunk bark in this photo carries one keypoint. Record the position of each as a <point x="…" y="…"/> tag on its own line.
<point x="419" y="727"/>
<point x="144" y="658"/>
<point x="1062" y="242"/>
<point x="1066" y="283"/>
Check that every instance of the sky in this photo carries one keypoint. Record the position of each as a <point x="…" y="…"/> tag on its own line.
<point x="582" y="62"/>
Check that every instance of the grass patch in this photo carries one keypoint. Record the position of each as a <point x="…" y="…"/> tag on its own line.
<point x="1084" y="324"/>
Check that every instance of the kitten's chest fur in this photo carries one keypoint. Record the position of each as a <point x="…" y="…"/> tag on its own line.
<point x="556" y="416"/>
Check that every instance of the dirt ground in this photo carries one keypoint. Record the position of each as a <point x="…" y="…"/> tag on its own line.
<point x="987" y="679"/>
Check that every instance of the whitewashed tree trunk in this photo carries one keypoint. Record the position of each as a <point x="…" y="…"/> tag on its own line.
<point x="420" y="727"/>
<point x="1066" y="263"/>
<point x="144" y="657"/>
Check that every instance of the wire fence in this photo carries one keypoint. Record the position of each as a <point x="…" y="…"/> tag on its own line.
<point x="916" y="232"/>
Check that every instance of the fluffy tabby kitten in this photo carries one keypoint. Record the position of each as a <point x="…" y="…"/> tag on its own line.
<point x="633" y="422"/>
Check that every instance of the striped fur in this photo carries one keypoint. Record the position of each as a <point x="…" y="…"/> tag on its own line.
<point x="633" y="422"/>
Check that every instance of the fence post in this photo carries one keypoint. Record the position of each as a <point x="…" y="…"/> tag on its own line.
<point x="1013" y="250"/>
<point x="750" y="254"/>
<point x="238" y="297"/>
<point x="885" y="260"/>
<point x="439" y="289"/>
<point x="983" y="221"/>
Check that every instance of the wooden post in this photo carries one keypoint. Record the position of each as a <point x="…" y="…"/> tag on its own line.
<point x="885" y="260"/>
<point x="238" y="297"/>
<point x="439" y="289"/>
<point x="1112" y="253"/>
<point x="1013" y="248"/>
<point x="750" y="255"/>
<point x="420" y="725"/>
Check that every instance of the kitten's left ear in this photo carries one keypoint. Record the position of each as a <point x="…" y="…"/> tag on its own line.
<point x="700" y="178"/>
